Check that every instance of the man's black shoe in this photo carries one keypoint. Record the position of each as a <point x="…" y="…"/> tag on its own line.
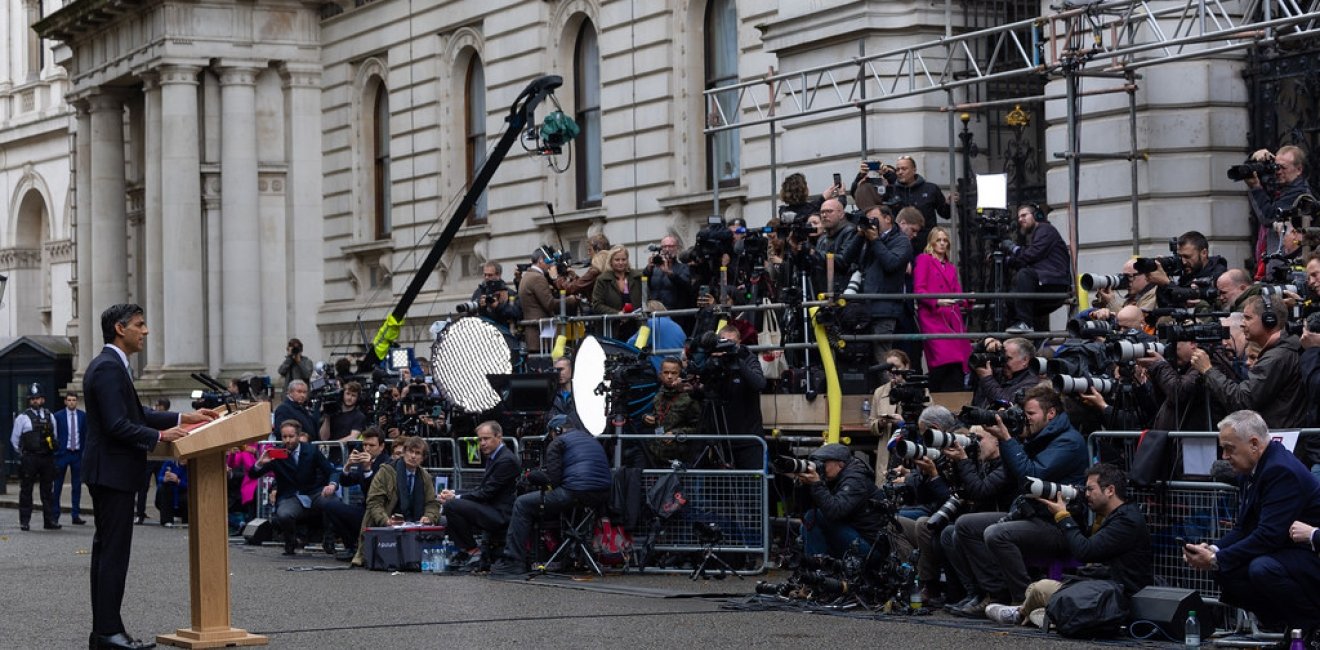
<point x="346" y="554"/>
<point x="507" y="568"/>
<point x="119" y="641"/>
<point x="24" y="527"/>
<point x="141" y="519"/>
<point x="968" y="600"/>
<point x="79" y="521"/>
<point x="52" y="526"/>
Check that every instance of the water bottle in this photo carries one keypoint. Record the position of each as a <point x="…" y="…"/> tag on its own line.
<point x="1296" y="643"/>
<point x="442" y="564"/>
<point x="866" y="411"/>
<point x="915" y="600"/>
<point x="1191" y="632"/>
<point x="428" y="560"/>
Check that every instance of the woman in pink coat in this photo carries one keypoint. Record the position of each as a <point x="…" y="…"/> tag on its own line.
<point x="934" y="273"/>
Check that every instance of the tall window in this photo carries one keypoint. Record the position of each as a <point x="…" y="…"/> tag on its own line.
<point x="586" y="68"/>
<point x="476" y="132"/>
<point x="36" y="54"/>
<point x="722" y="152"/>
<point x="380" y="139"/>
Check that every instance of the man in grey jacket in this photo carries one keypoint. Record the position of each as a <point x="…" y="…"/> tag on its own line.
<point x="1274" y="387"/>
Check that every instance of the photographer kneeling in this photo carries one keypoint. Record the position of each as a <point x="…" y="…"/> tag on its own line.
<point x="841" y="499"/>
<point x="1117" y="549"/>
<point x="1050" y="450"/>
<point x="983" y="485"/>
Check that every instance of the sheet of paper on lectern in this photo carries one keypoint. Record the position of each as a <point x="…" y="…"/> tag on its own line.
<point x="992" y="191"/>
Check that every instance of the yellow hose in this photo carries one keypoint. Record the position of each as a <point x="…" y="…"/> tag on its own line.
<point x="833" y="392"/>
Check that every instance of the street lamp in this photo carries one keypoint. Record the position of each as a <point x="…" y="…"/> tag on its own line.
<point x="4" y="280"/>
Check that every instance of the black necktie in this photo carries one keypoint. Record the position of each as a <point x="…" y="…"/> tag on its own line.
<point x="410" y="482"/>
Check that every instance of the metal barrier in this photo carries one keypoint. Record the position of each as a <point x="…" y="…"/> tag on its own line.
<point x="1192" y="510"/>
<point x="468" y="464"/>
<point x="733" y="499"/>
<point x="442" y="460"/>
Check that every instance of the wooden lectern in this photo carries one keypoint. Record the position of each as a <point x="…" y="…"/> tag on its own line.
<point x="208" y="518"/>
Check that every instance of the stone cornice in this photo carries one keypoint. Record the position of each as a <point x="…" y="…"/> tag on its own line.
<point x="59" y="251"/>
<point x="83" y="16"/>
<point x="20" y="258"/>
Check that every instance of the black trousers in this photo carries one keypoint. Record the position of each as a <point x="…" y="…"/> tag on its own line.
<point x="996" y="551"/>
<point x="153" y="468"/>
<point x="39" y="470"/>
<point x="1035" y="313"/>
<point x="462" y="516"/>
<point x="948" y="378"/>
<point x="345" y="519"/>
<point x="111" y="545"/>
<point x="1282" y="587"/>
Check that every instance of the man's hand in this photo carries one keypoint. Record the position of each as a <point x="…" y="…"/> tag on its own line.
<point x="927" y="467"/>
<point x="396" y="519"/>
<point x="871" y="234"/>
<point x="1101" y="313"/>
<point x="174" y="433"/>
<point x="170" y="477"/>
<point x="328" y="490"/>
<point x="998" y="429"/>
<point x="1200" y="361"/>
<point x="445" y="496"/>
<point x="809" y="477"/>
<point x="1310" y="339"/>
<point x="1199" y="556"/>
<point x="1149" y="360"/>
<point x="1093" y="399"/>
<point x="1103" y="296"/>
<point x="199" y="416"/>
<point x="955" y="452"/>
<point x="1159" y="277"/>
<point x="1301" y="532"/>
<point x="425" y="521"/>
<point x="1056" y="505"/>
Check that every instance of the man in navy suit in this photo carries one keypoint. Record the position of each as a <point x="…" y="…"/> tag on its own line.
<point x="489" y="505"/>
<point x="70" y="431"/>
<point x="304" y="481"/>
<point x="120" y="432"/>
<point x="1256" y="564"/>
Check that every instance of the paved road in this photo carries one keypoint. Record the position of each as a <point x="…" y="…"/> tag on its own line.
<point x="44" y="604"/>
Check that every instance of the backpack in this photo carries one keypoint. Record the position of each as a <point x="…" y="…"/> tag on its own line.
<point x="611" y="544"/>
<point x="1088" y="609"/>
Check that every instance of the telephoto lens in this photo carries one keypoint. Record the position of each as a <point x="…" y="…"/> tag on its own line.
<point x="1050" y="491"/>
<point x="790" y="465"/>
<point x="908" y="450"/>
<point x="941" y="439"/>
<point x="1125" y="351"/>
<point x="1068" y="385"/>
<point x="1092" y="282"/>
<point x="945" y="514"/>
<point x="1089" y="329"/>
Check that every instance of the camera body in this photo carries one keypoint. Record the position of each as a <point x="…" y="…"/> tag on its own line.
<point x="1013" y="417"/>
<point x="1171" y="264"/>
<point x="1263" y="169"/>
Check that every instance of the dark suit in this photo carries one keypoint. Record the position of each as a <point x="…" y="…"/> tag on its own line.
<point x="306" y="477"/>
<point x="69" y="460"/>
<point x="1260" y="568"/>
<point x="488" y="506"/>
<point x="346" y="518"/>
<point x="289" y="410"/>
<point x="119" y="434"/>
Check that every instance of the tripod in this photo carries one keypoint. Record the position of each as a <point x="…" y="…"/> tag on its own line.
<point x="711" y="535"/>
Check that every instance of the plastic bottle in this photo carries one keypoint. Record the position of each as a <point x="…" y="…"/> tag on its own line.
<point x="428" y="560"/>
<point x="866" y="411"/>
<point x="442" y="564"/>
<point x="1296" y="643"/>
<point x="1192" y="631"/>
<point x="915" y="599"/>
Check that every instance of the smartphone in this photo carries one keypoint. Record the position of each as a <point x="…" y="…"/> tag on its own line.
<point x="436" y="411"/>
<point x="355" y="445"/>
<point x="873" y="165"/>
<point x="838" y="180"/>
<point x="277" y="453"/>
<point x="703" y="291"/>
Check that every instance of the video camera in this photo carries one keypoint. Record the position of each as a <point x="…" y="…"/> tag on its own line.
<point x="1203" y="334"/>
<point x="1194" y="292"/>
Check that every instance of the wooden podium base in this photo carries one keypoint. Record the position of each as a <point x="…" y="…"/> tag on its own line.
<point x="189" y="638"/>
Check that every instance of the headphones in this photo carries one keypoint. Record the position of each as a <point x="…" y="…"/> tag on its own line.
<point x="547" y="253"/>
<point x="1268" y="318"/>
<point x="1036" y="213"/>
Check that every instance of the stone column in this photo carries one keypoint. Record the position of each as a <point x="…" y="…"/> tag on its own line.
<point x="109" y="226"/>
<point x="89" y="321"/>
<point x="302" y="142"/>
<point x="153" y="300"/>
<point x="181" y="224"/>
<point x="241" y="316"/>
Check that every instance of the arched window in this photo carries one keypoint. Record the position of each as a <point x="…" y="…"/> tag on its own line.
<point x="380" y="155"/>
<point x="586" y="93"/>
<point x="722" y="152"/>
<point x="475" y="100"/>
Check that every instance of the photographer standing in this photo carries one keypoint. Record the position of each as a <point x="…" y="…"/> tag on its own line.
<point x="348" y="422"/>
<point x="1043" y="267"/>
<point x="492" y="298"/>
<point x="669" y="280"/>
<point x="733" y="396"/>
<point x="841" y="512"/>
<point x="538" y="300"/>
<point x="1199" y="269"/>
<point x="1275" y="195"/>
<point x="887" y="253"/>
<point x="838" y="237"/>
<point x="295" y="365"/>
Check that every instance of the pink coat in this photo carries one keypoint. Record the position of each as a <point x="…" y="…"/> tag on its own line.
<point x="241" y="461"/>
<point x="931" y="275"/>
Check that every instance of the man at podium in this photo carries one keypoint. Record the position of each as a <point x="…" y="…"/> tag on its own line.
<point x="119" y="434"/>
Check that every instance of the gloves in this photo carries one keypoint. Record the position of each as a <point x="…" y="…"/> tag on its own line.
<point x="1008" y="246"/>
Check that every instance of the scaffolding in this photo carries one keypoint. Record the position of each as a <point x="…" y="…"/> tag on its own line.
<point x="1097" y="39"/>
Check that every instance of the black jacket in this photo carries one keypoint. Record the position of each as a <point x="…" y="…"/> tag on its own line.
<point x="1047" y="253"/>
<point x="846" y="499"/>
<point x="120" y="431"/>
<point x="575" y="461"/>
<point x="1266" y="204"/>
<point x="992" y="388"/>
<point x="1122" y="543"/>
<point x="847" y="248"/>
<point x="498" y="487"/>
<point x="1273" y="389"/>
<point x="884" y="270"/>
<point x="986" y="484"/>
<point x="740" y="395"/>
<point x="1310" y="444"/>
<point x="312" y="472"/>
<point x="290" y="410"/>
<point x="353" y="475"/>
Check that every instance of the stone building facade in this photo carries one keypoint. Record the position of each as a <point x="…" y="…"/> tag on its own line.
<point x="256" y="171"/>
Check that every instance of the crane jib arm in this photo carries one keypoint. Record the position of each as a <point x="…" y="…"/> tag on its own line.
<point x="520" y="115"/>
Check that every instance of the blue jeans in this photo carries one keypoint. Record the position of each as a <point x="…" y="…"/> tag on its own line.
<point x="821" y="536"/>
<point x="72" y="463"/>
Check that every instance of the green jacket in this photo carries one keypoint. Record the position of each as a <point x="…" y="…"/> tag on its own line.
<point x="383" y="498"/>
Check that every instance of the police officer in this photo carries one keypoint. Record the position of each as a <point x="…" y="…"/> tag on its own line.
<point x="34" y="437"/>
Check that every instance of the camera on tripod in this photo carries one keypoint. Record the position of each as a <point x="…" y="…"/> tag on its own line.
<point x="1068" y="385"/>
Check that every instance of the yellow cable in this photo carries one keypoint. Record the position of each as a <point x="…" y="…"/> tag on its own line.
<point x="833" y="392"/>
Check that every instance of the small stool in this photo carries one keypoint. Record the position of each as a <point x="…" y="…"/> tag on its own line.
<point x="575" y="529"/>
